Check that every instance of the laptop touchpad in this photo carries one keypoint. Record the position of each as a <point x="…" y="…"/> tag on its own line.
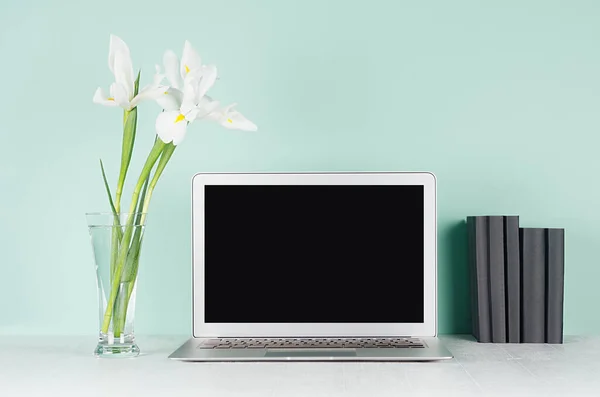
<point x="312" y="353"/>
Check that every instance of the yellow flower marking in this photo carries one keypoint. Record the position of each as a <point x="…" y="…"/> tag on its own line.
<point x="179" y="118"/>
<point x="230" y="121"/>
<point x="110" y="99"/>
<point x="166" y="92"/>
<point x="187" y="69"/>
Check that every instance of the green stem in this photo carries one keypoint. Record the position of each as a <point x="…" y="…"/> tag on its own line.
<point x="129" y="131"/>
<point x="131" y="265"/>
<point x="127" y="282"/>
<point x="164" y="159"/>
<point x="156" y="151"/>
<point x="114" y="247"/>
<point x="132" y="262"/>
<point x="129" y="128"/>
<point x="136" y="266"/>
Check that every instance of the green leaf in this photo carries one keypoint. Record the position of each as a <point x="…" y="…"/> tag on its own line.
<point x="136" y="84"/>
<point x="110" y="200"/>
<point x="116" y="233"/>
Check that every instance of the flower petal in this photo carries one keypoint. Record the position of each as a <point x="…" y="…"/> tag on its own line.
<point x="207" y="107"/>
<point x="220" y="115"/>
<point x="170" y="99"/>
<point x="179" y="133"/>
<point x="119" y="95"/>
<point x="102" y="99"/>
<point x="190" y="91"/>
<point x="158" y="77"/>
<point x="116" y="45"/>
<point x="236" y="121"/>
<point x="171" y="63"/>
<point x="171" y="127"/>
<point x="209" y="76"/>
<point x="190" y="60"/>
<point x="191" y="114"/>
<point x="150" y="92"/>
<point x="123" y="70"/>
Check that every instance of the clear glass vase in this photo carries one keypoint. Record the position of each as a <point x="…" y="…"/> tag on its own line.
<point x="116" y="243"/>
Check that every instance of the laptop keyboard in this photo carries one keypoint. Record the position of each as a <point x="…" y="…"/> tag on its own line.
<point x="311" y="343"/>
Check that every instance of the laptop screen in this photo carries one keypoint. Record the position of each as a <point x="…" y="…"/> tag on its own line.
<point x="314" y="254"/>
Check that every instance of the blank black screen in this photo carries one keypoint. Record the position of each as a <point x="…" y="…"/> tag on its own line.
<point x="313" y="254"/>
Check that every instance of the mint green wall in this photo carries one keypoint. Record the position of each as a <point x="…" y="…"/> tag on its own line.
<point x="500" y="99"/>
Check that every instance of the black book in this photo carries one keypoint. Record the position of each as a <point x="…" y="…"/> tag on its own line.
<point x="472" y="275"/>
<point x="513" y="278"/>
<point x="496" y="252"/>
<point x="555" y="277"/>
<point x="478" y="229"/>
<point x="495" y="278"/>
<point x="533" y="285"/>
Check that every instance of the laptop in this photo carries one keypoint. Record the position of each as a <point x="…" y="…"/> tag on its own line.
<point x="314" y="267"/>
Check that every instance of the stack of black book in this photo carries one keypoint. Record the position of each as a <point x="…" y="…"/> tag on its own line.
<point x="517" y="281"/>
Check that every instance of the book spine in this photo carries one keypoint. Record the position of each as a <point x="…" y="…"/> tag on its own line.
<point x="481" y="278"/>
<point x="496" y="262"/>
<point x="513" y="279"/>
<point x="555" y="276"/>
<point x="533" y="284"/>
<point x="473" y="275"/>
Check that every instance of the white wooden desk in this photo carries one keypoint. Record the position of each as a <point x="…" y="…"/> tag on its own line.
<point x="61" y="366"/>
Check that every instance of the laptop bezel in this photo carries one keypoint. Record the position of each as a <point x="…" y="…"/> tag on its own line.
<point x="201" y="329"/>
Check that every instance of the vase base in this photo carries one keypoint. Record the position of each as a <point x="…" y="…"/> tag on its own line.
<point x="117" y="350"/>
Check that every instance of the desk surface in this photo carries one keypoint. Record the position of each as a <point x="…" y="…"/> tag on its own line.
<point x="64" y="366"/>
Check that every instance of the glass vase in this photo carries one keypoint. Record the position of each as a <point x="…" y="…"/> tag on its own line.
<point x="116" y="244"/>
